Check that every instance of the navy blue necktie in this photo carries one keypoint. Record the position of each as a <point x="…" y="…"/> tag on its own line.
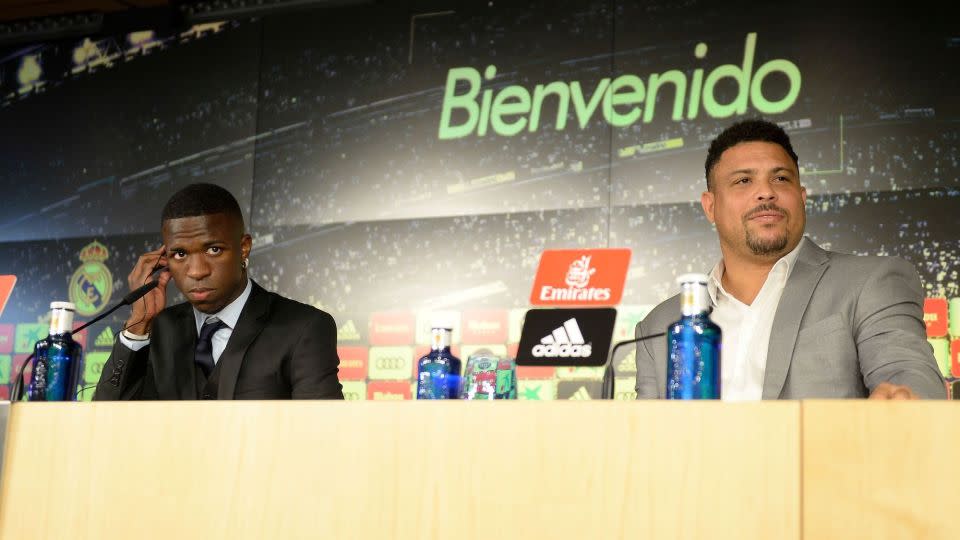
<point x="203" y="356"/>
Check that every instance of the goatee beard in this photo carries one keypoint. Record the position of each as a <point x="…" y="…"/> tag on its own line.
<point x="766" y="246"/>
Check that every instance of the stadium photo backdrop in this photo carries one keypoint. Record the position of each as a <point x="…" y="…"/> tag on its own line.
<point x="396" y="162"/>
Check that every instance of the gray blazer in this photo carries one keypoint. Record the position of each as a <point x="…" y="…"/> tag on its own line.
<point x="844" y="325"/>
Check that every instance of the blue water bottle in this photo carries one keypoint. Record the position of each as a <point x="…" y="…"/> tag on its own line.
<point x="58" y="359"/>
<point x="438" y="371"/>
<point x="693" y="344"/>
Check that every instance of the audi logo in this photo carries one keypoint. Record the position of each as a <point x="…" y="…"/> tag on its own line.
<point x="391" y="362"/>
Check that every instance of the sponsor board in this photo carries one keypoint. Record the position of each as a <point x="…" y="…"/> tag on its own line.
<point x="7" y="283"/>
<point x="536" y="390"/>
<point x="536" y="372"/>
<point x="86" y="393"/>
<point x="578" y="390"/>
<point x="515" y="324"/>
<point x="18" y="360"/>
<point x="955" y="358"/>
<point x="580" y="373"/>
<point x="388" y="390"/>
<point x="941" y="351"/>
<point x="104" y="339"/>
<point x="392" y="328"/>
<point x="494" y="350"/>
<point x="92" y="284"/>
<point x="484" y="326"/>
<point x="580" y="277"/>
<point x="6" y="338"/>
<point x="953" y="314"/>
<point x="625" y="389"/>
<point x="80" y="338"/>
<point x="93" y="365"/>
<point x="348" y="332"/>
<point x="390" y="363"/>
<point x="566" y="337"/>
<point x="353" y="363"/>
<point x="6" y="364"/>
<point x="935" y="317"/>
<point x="628" y="362"/>
<point x="28" y="334"/>
<point x="354" y="390"/>
<point x="627" y="319"/>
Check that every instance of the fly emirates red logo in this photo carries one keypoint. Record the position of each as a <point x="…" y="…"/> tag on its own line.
<point x="580" y="277"/>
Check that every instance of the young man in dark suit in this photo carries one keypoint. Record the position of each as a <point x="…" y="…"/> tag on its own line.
<point x="231" y="339"/>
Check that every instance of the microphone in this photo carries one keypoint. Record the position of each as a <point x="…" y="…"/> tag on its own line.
<point x="139" y="293"/>
<point x="16" y="393"/>
<point x="608" y="372"/>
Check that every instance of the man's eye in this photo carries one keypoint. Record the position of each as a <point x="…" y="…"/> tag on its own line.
<point x="214" y="250"/>
<point x="782" y="179"/>
<point x="179" y="254"/>
<point x="743" y="180"/>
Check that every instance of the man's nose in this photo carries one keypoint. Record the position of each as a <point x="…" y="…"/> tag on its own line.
<point x="765" y="191"/>
<point x="197" y="268"/>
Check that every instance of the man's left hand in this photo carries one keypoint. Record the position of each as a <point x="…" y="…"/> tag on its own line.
<point x="887" y="390"/>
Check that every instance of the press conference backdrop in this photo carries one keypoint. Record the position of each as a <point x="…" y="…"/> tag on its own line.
<point x="394" y="163"/>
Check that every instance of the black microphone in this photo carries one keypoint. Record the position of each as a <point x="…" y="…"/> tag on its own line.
<point x="139" y="293"/>
<point x="608" y="372"/>
<point x="16" y="393"/>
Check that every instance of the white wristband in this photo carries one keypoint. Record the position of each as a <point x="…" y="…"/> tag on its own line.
<point x="135" y="337"/>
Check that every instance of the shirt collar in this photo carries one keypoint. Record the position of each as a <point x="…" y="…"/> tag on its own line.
<point x="783" y="266"/>
<point x="230" y="313"/>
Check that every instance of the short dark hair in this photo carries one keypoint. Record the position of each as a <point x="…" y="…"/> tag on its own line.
<point x="201" y="200"/>
<point x="755" y="130"/>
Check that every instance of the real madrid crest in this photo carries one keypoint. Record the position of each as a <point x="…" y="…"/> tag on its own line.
<point x="91" y="285"/>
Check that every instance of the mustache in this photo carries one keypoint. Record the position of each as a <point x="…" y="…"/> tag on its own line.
<point x="765" y="209"/>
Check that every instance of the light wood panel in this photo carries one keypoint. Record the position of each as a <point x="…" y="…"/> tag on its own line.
<point x="402" y="470"/>
<point x="880" y="469"/>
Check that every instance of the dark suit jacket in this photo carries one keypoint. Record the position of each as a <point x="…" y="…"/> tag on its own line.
<point x="844" y="324"/>
<point x="280" y="349"/>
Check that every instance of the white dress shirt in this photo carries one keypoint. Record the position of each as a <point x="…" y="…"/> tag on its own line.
<point x="229" y="315"/>
<point x="746" y="330"/>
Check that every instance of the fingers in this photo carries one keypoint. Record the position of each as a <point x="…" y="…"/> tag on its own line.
<point x="145" y="264"/>
<point x="890" y="391"/>
<point x="144" y="310"/>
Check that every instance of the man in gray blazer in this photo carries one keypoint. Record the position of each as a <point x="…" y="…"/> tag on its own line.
<point x="798" y="321"/>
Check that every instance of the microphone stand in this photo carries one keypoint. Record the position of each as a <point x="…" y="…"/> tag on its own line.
<point x="608" y="372"/>
<point x="16" y="394"/>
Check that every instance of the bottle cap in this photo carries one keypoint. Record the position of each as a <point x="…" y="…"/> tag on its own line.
<point x="692" y="278"/>
<point x="69" y="306"/>
<point x="441" y="320"/>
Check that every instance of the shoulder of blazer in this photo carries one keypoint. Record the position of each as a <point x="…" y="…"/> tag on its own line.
<point x="279" y="307"/>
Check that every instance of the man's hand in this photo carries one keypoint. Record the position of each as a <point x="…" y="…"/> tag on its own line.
<point x="887" y="390"/>
<point x="144" y="310"/>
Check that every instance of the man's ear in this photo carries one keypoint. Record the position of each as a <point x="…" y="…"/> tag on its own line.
<point x="706" y="201"/>
<point x="246" y="244"/>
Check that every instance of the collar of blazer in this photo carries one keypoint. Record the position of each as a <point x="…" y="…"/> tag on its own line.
<point x="252" y="320"/>
<point x="808" y="269"/>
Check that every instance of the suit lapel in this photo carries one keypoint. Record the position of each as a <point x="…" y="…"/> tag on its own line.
<point x="809" y="267"/>
<point x="175" y="370"/>
<point x="252" y="319"/>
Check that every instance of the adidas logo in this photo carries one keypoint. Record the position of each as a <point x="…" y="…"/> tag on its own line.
<point x="105" y="339"/>
<point x="565" y="342"/>
<point x="581" y="394"/>
<point x="348" y="332"/>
